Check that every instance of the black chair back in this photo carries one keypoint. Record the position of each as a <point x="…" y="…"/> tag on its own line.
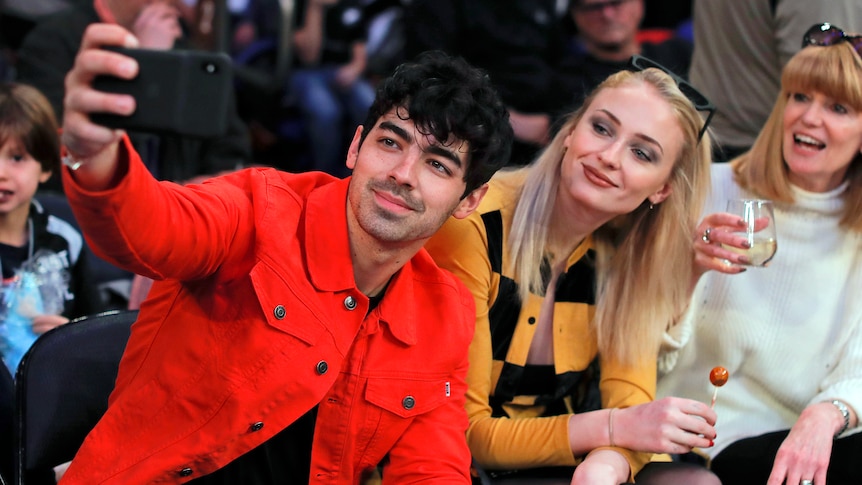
<point x="62" y="388"/>
<point x="7" y="430"/>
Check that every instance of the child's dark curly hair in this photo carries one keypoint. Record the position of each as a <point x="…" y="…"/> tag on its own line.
<point x="443" y="96"/>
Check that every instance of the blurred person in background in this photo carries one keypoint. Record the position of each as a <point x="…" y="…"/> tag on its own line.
<point x="43" y="260"/>
<point x="521" y="45"/>
<point x="606" y="33"/>
<point x="740" y="47"/>
<point x="328" y="80"/>
<point x="48" y="53"/>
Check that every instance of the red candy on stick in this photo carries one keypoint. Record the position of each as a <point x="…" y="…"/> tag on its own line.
<point x="718" y="377"/>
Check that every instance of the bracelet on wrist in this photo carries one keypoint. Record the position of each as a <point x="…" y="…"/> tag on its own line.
<point x="71" y="162"/>
<point x="845" y="412"/>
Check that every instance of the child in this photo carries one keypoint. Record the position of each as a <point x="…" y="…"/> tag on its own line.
<point x="41" y="256"/>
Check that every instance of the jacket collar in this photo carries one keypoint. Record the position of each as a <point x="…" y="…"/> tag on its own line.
<point x="398" y="308"/>
<point x="579" y="251"/>
<point x="327" y="246"/>
<point x="330" y="267"/>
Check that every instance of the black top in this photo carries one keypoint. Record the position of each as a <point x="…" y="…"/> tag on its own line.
<point x="60" y="241"/>
<point x="12" y="257"/>
<point x="345" y="24"/>
<point x="284" y="459"/>
<point x="519" y="43"/>
<point x="586" y="72"/>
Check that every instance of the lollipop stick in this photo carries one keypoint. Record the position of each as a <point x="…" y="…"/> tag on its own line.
<point x="718" y="377"/>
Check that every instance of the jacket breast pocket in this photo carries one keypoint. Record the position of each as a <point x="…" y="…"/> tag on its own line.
<point x="286" y="304"/>
<point x="407" y="398"/>
<point x="390" y="406"/>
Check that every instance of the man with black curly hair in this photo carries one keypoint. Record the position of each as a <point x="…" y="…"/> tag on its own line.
<point x="297" y="331"/>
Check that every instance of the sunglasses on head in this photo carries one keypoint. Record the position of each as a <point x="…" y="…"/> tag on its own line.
<point x="826" y="34"/>
<point x="700" y="102"/>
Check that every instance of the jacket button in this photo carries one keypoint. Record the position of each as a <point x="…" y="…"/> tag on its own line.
<point x="186" y="472"/>
<point x="349" y="303"/>
<point x="322" y="367"/>
<point x="256" y="426"/>
<point x="408" y="402"/>
<point x="279" y="312"/>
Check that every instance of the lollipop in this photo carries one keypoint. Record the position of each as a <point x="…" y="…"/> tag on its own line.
<point x="718" y="377"/>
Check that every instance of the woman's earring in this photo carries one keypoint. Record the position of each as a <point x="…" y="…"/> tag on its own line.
<point x="651" y="206"/>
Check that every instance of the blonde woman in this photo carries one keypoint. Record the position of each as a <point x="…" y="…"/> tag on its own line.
<point x="568" y="261"/>
<point x="790" y="334"/>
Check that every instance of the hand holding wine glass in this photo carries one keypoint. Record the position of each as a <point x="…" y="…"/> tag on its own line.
<point x="758" y="230"/>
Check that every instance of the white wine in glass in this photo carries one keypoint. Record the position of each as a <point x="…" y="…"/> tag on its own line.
<point x="759" y="231"/>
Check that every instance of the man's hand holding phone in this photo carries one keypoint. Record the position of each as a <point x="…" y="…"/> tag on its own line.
<point x="95" y="145"/>
<point x="177" y="92"/>
<point x="115" y="85"/>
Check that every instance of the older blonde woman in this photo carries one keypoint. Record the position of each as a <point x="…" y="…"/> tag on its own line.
<point x="790" y="334"/>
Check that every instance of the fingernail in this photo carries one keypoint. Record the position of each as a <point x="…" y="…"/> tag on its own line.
<point x="127" y="67"/>
<point x="711" y="443"/>
<point x="125" y="105"/>
<point x="743" y="270"/>
<point x="741" y="222"/>
<point x="746" y="244"/>
<point x="130" y="42"/>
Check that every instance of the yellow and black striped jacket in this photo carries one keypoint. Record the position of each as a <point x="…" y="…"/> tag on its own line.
<point x="518" y="413"/>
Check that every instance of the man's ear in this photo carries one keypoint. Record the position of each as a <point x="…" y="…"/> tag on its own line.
<point x="353" y="151"/>
<point x="470" y="203"/>
<point x="661" y="194"/>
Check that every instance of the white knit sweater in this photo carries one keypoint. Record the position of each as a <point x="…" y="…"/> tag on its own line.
<point x="790" y="334"/>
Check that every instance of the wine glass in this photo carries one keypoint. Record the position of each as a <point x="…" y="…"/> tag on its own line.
<point x="759" y="229"/>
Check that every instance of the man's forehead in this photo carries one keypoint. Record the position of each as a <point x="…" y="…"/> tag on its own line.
<point x="425" y="140"/>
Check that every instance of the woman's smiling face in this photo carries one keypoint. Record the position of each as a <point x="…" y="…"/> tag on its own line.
<point x="622" y="151"/>
<point x="822" y="137"/>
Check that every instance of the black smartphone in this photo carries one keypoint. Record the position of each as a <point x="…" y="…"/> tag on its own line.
<point x="183" y="92"/>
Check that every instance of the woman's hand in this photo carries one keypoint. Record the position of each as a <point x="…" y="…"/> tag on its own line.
<point x="668" y="425"/>
<point x="805" y="453"/>
<point x="713" y="231"/>
<point x="602" y="467"/>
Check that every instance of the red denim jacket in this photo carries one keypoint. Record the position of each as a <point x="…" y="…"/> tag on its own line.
<point x="254" y="319"/>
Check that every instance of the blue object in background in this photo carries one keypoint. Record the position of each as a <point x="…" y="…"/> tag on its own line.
<point x="21" y="297"/>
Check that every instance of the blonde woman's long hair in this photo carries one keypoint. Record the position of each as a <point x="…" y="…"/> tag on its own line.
<point x="644" y="258"/>
<point x="835" y="71"/>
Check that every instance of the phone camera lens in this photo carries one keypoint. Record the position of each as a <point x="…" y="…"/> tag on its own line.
<point x="210" y="68"/>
